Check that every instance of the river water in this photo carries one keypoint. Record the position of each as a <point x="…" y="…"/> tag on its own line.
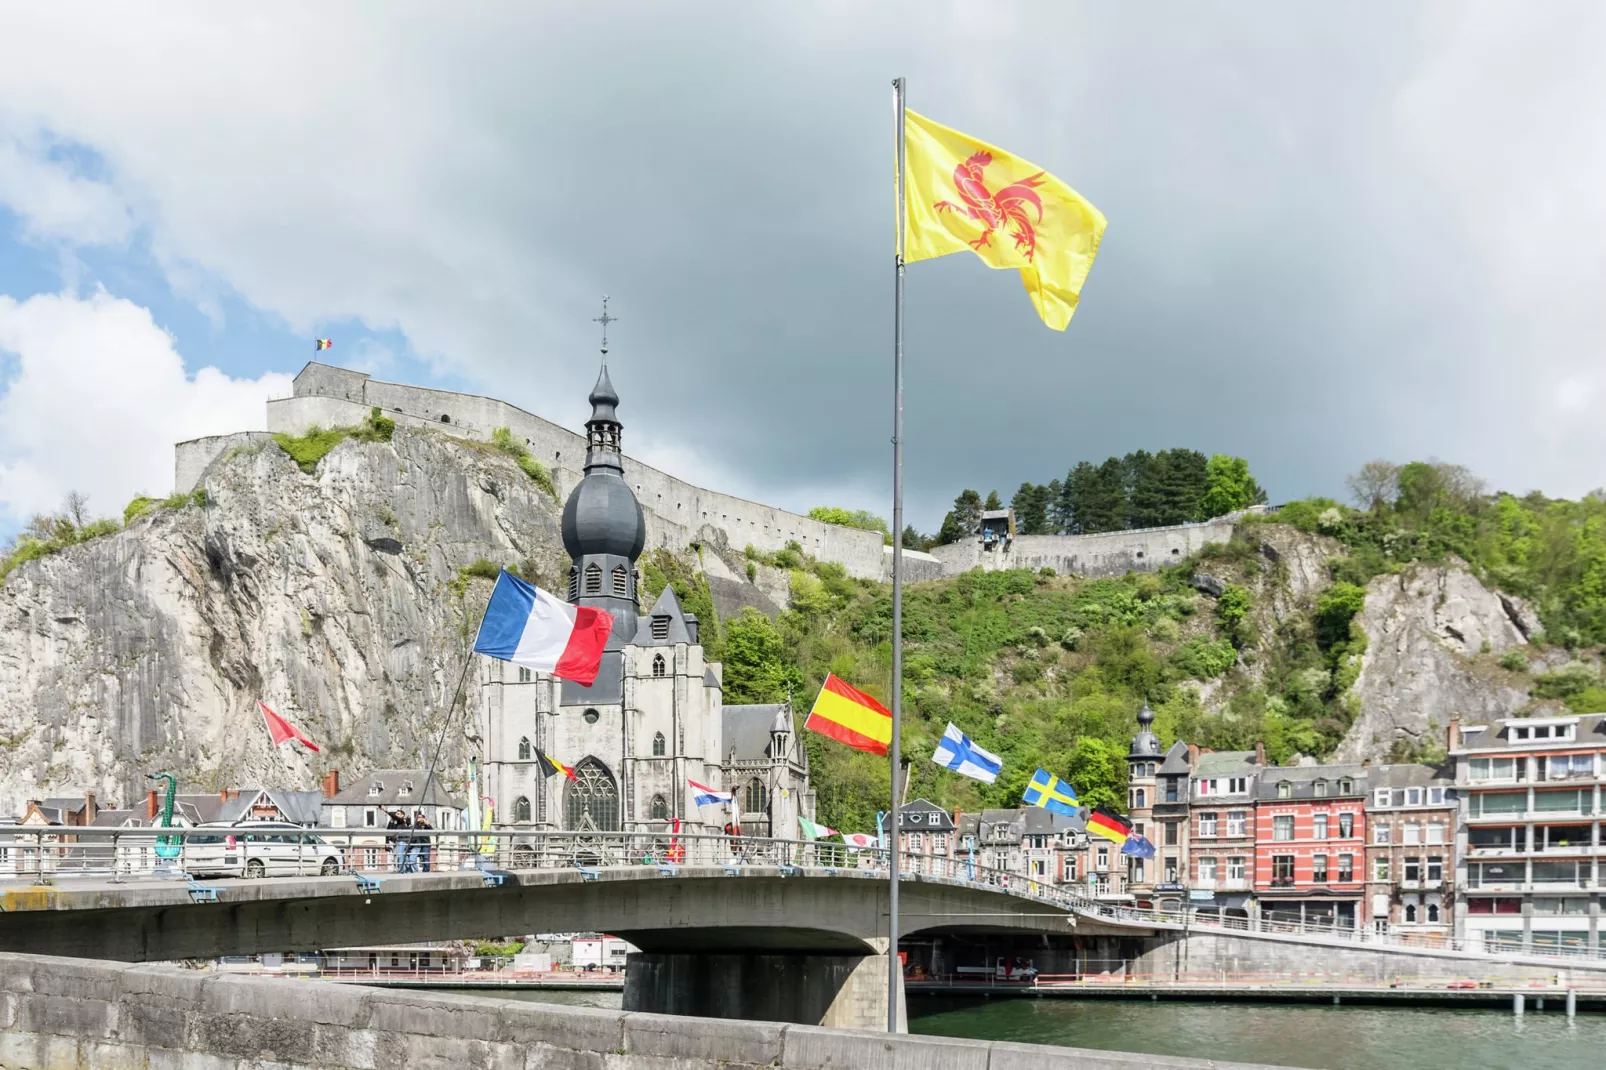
<point x="1322" y="1038"/>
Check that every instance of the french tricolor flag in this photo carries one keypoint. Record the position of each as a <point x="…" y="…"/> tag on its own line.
<point x="703" y="795"/>
<point x="533" y="628"/>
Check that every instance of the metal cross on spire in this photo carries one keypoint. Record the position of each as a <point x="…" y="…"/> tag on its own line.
<point x="605" y="319"/>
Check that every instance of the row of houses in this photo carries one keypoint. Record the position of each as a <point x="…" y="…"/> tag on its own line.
<point x="1502" y="844"/>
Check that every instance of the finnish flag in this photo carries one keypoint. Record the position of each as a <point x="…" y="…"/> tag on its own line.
<point x="958" y="752"/>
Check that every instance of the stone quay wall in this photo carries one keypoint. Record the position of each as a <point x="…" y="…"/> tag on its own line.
<point x="66" y="1014"/>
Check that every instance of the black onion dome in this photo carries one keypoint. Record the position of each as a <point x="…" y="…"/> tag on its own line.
<point x="604" y="400"/>
<point x="602" y="516"/>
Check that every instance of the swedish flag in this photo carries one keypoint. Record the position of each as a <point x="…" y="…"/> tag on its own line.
<point x="1051" y="793"/>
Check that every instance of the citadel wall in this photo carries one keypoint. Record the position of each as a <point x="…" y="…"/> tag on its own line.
<point x="678" y="513"/>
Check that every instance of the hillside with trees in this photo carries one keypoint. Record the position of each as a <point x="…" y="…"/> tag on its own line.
<point x="1229" y="648"/>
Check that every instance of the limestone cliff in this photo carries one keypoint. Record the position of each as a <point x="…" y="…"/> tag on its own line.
<point x="336" y="597"/>
<point x="1426" y="628"/>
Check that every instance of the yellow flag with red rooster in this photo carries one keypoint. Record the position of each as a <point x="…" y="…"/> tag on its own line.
<point x="960" y="193"/>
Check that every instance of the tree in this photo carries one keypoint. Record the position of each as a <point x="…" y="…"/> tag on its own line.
<point x="1231" y="487"/>
<point x="75" y="507"/>
<point x="1103" y="504"/>
<point x="993" y="501"/>
<point x="967" y="513"/>
<point x="1098" y="773"/>
<point x="1031" y="504"/>
<point x="913" y="540"/>
<point x="757" y="665"/>
<point x="848" y="518"/>
<point x="1375" y="486"/>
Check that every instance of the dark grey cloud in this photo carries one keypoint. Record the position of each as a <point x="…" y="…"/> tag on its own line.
<point x="1334" y="233"/>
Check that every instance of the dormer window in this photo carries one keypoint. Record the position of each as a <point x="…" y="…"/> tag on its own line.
<point x="1319" y="788"/>
<point x="406" y="788"/>
<point x="593" y="578"/>
<point x="660" y="627"/>
<point x="1285" y="790"/>
<point x="376" y="788"/>
<point x="1346" y="787"/>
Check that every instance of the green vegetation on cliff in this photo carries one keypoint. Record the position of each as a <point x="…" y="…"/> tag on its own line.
<point x="308" y="449"/>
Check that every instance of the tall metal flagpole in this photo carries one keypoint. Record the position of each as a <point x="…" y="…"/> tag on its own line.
<point x="894" y="967"/>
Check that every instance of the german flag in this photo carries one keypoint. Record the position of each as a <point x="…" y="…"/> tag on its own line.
<point x="550" y="765"/>
<point x="850" y="717"/>
<point x="1109" y="824"/>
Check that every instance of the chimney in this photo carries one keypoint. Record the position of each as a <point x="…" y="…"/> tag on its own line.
<point x="1260" y="753"/>
<point x="1193" y="755"/>
<point x="151" y="807"/>
<point x="91" y="808"/>
<point x="1452" y="736"/>
<point x="331" y="784"/>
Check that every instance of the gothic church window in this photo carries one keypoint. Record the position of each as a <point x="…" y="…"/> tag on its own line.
<point x="524" y="749"/>
<point x="658" y="665"/>
<point x="592" y="798"/>
<point x="621" y="581"/>
<point x="658" y="745"/>
<point x="660" y="809"/>
<point x="521" y="809"/>
<point x="754" y="798"/>
<point x="593" y="578"/>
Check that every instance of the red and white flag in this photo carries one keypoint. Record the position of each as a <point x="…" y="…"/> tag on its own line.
<point x="282" y="731"/>
<point x="859" y="839"/>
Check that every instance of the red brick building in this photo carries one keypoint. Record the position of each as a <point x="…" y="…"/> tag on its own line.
<point x="1310" y="844"/>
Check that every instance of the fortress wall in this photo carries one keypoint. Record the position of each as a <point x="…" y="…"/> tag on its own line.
<point x="1110" y="553"/>
<point x="191" y="459"/>
<point x="677" y="513"/>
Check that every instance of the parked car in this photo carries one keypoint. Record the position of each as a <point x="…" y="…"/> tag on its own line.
<point x="259" y="849"/>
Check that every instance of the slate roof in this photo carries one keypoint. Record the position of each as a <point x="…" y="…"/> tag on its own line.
<point x="1176" y="760"/>
<point x="666" y="606"/>
<point x="1409" y="775"/>
<point x="1224" y="762"/>
<point x="746" y="729"/>
<point x="924" y="814"/>
<point x="1303" y="777"/>
<point x="1016" y="823"/>
<point x="391" y="782"/>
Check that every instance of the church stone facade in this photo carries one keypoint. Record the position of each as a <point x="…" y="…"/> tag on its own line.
<point x="654" y="718"/>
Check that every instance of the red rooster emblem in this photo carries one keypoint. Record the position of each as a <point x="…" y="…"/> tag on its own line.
<point x="1006" y="208"/>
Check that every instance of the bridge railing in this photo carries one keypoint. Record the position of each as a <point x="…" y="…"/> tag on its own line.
<point x="56" y="854"/>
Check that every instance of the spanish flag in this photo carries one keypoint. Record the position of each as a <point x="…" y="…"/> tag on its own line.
<point x="960" y="193"/>
<point x="1109" y="824"/>
<point x="550" y="765"/>
<point x="849" y="716"/>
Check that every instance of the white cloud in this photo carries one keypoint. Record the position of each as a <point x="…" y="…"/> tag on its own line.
<point x="98" y="399"/>
<point x="54" y="203"/>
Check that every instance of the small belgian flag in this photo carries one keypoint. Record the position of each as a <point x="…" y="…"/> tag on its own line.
<point x="323" y="344"/>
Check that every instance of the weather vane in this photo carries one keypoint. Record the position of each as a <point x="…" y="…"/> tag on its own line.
<point x="605" y="319"/>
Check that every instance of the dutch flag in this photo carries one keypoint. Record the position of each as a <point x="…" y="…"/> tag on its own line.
<point x="530" y="627"/>
<point x="958" y="752"/>
<point x="703" y="795"/>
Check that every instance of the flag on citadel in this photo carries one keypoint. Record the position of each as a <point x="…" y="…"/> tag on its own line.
<point x="282" y="731"/>
<point x="550" y="765"/>
<point x="531" y="627"/>
<point x="849" y="716"/>
<point x="324" y="343"/>
<point x="813" y="830"/>
<point x="1052" y="794"/>
<point x="961" y="193"/>
<point x="958" y="752"/>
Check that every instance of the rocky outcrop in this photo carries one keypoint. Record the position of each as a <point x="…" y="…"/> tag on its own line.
<point x="336" y="597"/>
<point x="1424" y="627"/>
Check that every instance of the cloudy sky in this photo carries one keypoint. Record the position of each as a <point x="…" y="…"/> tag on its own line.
<point x="1335" y="234"/>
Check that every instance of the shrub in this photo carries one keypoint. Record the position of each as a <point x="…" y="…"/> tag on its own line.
<point x="198" y="497"/>
<point x="1566" y="682"/>
<point x="850" y="518"/>
<point x="308" y="449"/>
<point x="483" y="568"/>
<point x="1204" y="659"/>
<point x="1047" y="571"/>
<point x="137" y="508"/>
<point x="1514" y="661"/>
<point x="503" y="441"/>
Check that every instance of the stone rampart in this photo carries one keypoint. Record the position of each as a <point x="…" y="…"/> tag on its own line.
<point x="191" y="459"/>
<point x="1109" y="553"/>
<point x="64" y="1014"/>
<point x="677" y="513"/>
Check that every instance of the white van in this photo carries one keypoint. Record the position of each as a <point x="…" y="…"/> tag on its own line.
<point x="259" y="849"/>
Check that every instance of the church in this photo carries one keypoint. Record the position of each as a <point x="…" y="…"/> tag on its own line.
<point x="654" y="718"/>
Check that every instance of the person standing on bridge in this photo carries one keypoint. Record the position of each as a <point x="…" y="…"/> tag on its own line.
<point x="398" y="840"/>
<point x="422" y="844"/>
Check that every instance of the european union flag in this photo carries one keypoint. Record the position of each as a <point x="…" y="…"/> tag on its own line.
<point x="1051" y="793"/>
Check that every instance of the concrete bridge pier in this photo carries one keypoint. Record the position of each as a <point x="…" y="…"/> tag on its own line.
<point x="844" y="991"/>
